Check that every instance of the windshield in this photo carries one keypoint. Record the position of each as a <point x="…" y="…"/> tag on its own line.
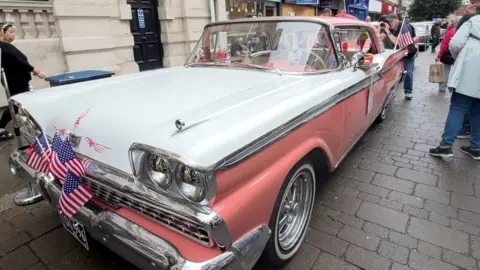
<point x="420" y="28"/>
<point x="286" y="46"/>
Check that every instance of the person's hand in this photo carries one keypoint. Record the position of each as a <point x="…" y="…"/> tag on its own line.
<point x="471" y="10"/>
<point x="437" y="59"/>
<point x="41" y="75"/>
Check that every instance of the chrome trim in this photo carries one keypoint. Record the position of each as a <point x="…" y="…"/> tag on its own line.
<point x="122" y="182"/>
<point x="141" y="247"/>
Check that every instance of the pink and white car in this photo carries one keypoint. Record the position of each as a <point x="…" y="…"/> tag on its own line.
<point x="214" y="165"/>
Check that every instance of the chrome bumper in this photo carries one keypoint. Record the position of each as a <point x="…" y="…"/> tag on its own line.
<point x="134" y="243"/>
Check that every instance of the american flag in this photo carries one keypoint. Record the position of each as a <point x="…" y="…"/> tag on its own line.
<point x="67" y="158"/>
<point x="57" y="168"/>
<point x="405" y="37"/>
<point x="74" y="195"/>
<point x="39" y="157"/>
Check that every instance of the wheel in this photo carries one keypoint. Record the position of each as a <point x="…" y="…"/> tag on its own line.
<point x="381" y="117"/>
<point x="291" y="215"/>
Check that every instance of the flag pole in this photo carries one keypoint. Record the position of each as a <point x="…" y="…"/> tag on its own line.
<point x="30" y="194"/>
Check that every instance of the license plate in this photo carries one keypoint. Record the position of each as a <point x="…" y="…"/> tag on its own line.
<point x="76" y="229"/>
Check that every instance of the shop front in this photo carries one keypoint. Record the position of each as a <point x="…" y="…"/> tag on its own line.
<point x="300" y="8"/>
<point x="244" y="8"/>
<point x="358" y="8"/>
<point x="388" y="8"/>
<point x="272" y="8"/>
<point x="375" y="10"/>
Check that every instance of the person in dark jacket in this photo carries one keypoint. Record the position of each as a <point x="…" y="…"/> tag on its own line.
<point x="436" y="32"/>
<point x="17" y="71"/>
<point x="470" y="11"/>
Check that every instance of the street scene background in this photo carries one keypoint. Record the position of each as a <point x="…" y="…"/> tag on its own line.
<point x="389" y="206"/>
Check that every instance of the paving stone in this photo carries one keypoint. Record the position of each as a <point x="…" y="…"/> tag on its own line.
<point x="351" y="221"/>
<point x="328" y="262"/>
<point x="391" y="204"/>
<point x="372" y="189"/>
<point x="465" y="202"/>
<point x="327" y="243"/>
<point x="359" y="174"/>
<point x="432" y="193"/>
<point x="414" y="211"/>
<point x="403" y="240"/>
<point x="395" y="148"/>
<point x="13" y="212"/>
<point x="378" y="167"/>
<point x="415" y="153"/>
<point x="347" y="182"/>
<point x="393" y="183"/>
<point x="304" y="259"/>
<point x="422" y="169"/>
<point x="442" y="220"/>
<point x="383" y="216"/>
<point x="452" y="184"/>
<point x="423" y="147"/>
<point x="459" y="260"/>
<point x="417" y="177"/>
<point x="333" y="214"/>
<point x="400" y="159"/>
<point x="397" y="266"/>
<point x="430" y="250"/>
<point x="350" y="192"/>
<point x="442" y="209"/>
<point x="469" y="217"/>
<point x="394" y="252"/>
<point x="419" y="163"/>
<point x="366" y="259"/>
<point x="368" y="197"/>
<point x="406" y="199"/>
<point x="53" y="245"/>
<point x="403" y="165"/>
<point x="342" y="203"/>
<point x="465" y="227"/>
<point x="13" y="241"/>
<point x="18" y="259"/>
<point x="438" y="235"/>
<point x="376" y="229"/>
<point x="475" y="247"/>
<point x="327" y="225"/>
<point x="37" y="266"/>
<point x="419" y="261"/>
<point x="398" y="141"/>
<point x="359" y="238"/>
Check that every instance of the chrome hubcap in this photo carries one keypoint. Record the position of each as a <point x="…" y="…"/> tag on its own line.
<point x="295" y="210"/>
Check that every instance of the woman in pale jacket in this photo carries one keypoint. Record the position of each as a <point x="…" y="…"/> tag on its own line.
<point x="465" y="82"/>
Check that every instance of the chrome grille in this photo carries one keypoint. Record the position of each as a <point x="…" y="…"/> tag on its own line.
<point x="189" y="228"/>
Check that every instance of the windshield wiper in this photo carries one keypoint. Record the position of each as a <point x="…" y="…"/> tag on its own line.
<point x="258" y="67"/>
<point x="211" y="64"/>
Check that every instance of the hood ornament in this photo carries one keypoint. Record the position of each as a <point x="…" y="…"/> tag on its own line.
<point x="179" y="124"/>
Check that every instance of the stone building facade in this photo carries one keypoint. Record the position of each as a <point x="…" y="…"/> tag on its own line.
<point x="122" y="36"/>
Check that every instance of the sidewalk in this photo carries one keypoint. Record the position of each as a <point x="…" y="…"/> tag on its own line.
<point x="389" y="206"/>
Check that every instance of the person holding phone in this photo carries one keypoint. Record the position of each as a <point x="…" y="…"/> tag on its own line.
<point x="17" y="72"/>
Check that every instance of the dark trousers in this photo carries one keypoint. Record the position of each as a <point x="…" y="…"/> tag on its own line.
<point x="435" y="42"/>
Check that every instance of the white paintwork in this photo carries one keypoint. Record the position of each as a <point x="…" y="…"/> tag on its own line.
<point x="238" y="105"/>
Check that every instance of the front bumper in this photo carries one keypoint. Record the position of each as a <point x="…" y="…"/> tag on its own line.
<point x="134" y="243"/>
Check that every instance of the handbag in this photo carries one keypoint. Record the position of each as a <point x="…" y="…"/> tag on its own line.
<point x="447" y="58"/>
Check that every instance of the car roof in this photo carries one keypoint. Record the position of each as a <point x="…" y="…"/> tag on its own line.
<point x="333" y="21"/>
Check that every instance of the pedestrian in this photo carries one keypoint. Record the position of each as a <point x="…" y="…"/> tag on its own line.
<point x="390" y="26"/>
<point x="444" y="55"/>
<point x="470" y="11"/>
<point x="464" y="79"/>
<point x="435" y="32"/>
<point x="326" y="12"/>
<point x="17" y="71"/>
<point x="368" y="19"/>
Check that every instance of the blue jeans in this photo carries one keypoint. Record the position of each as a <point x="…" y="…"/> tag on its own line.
<point x="409" y="65"/>
<point x="461" y="105"/>
<point x="435" y="42"/>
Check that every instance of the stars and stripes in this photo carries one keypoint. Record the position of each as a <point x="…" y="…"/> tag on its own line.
<point x="39" y="156"/>
<point x="67" y="157"/>
<point x="57" y="168"/>
<point x="74" y="195"/>
<point x="404" y="37"/>
<point x="96" y="146"/>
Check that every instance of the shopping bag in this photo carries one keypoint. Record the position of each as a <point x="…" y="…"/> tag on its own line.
<point x="437" y="73"/>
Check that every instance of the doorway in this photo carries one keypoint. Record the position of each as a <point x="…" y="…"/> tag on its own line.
<point x="145" y="28"/>
<point x="271" y="9"/>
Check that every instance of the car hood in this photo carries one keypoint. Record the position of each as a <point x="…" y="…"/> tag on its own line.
<point x="216" y="104"/>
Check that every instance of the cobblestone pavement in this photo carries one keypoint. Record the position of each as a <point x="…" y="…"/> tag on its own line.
<point x="389" y="206"/>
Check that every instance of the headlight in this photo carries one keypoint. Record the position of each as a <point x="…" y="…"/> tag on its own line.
<point x="191" y="183"/>
<point x="159" y="170"/>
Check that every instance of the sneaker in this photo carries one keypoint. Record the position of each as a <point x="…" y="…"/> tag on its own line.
<point x="441" y="152"/>
<point x="464" y="134"/>
<point x="474" y="153"/>
<point x="442" y="89"/>
<point x="408" y="96"/>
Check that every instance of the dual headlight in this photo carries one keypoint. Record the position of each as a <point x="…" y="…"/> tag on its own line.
<point x="165" y="173"/>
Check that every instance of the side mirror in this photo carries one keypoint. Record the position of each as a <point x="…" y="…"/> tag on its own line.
<point x="361" y="62"/>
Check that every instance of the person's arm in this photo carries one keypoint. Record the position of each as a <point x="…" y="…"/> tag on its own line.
<point x="460" y="39"/>
<point x="390" y="35"/>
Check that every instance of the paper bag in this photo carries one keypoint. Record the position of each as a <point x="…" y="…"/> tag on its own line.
<point x="437" y="74"/>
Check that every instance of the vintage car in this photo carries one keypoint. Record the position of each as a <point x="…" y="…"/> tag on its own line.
<point x="422" y="31"/>
<point x="214" y="164"/>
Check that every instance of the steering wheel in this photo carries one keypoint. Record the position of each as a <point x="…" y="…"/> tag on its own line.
<point x="318" y="59"/>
